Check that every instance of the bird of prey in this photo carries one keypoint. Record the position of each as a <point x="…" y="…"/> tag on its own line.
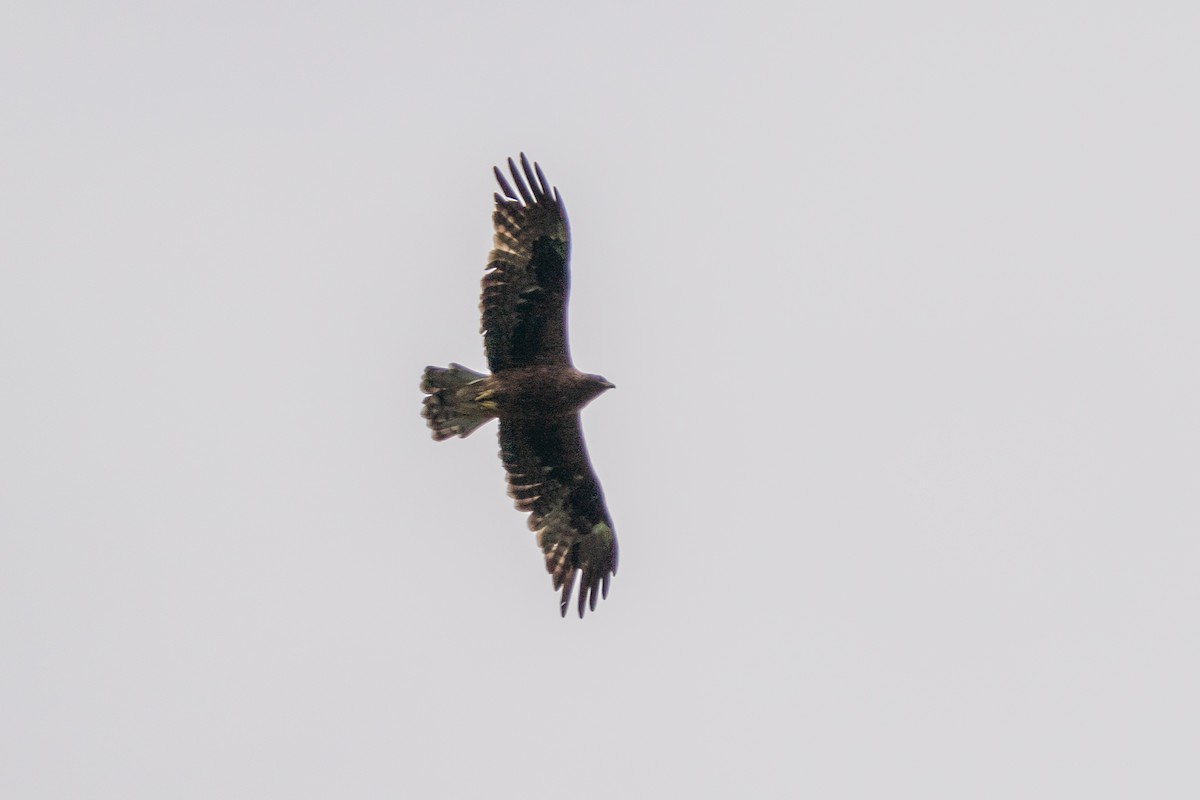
<point x="534" y="389"/>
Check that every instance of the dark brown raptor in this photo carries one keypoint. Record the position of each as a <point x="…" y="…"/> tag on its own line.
<point x="534" y="389"/>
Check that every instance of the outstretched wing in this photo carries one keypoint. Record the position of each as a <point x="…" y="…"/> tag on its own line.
<point x="549" y="475"/>
<point x="525" y="288"/>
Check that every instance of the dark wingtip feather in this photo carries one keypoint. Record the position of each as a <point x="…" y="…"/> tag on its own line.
<point x="568" y="584"/>
<point x="508" y="190"/>
<point x="538" y="191"/>
<point x="526" y="195"/>
<point x="542" y="179"/>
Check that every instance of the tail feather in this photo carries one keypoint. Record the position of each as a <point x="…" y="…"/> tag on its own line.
<point x="450" y="410"/>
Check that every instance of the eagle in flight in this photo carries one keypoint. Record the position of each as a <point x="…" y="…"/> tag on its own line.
<point x="534" y="389"/>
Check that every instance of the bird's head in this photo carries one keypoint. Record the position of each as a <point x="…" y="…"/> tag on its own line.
<point x="601" y="383"/>
<point x="595" y="385"/>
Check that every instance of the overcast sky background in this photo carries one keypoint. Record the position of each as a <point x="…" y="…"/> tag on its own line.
<point x="901" y="301"/>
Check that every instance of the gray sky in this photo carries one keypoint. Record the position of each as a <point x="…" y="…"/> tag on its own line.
<point x="904" y="458"/>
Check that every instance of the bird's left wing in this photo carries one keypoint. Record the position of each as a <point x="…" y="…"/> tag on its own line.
<point x="550" y="475"/>
<point x="524" y="304"/>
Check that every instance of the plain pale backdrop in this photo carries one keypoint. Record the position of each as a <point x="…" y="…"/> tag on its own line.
<point x="901" y="301"/>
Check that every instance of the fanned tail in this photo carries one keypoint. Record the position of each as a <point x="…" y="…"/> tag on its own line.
<point x="451" y="407"/>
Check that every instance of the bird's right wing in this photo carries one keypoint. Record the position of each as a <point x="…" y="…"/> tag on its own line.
<point x="550" y="475"/>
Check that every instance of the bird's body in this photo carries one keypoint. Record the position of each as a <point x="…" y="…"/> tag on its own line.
<point x="534" y="389"/>
<point x="540" y="393"/>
